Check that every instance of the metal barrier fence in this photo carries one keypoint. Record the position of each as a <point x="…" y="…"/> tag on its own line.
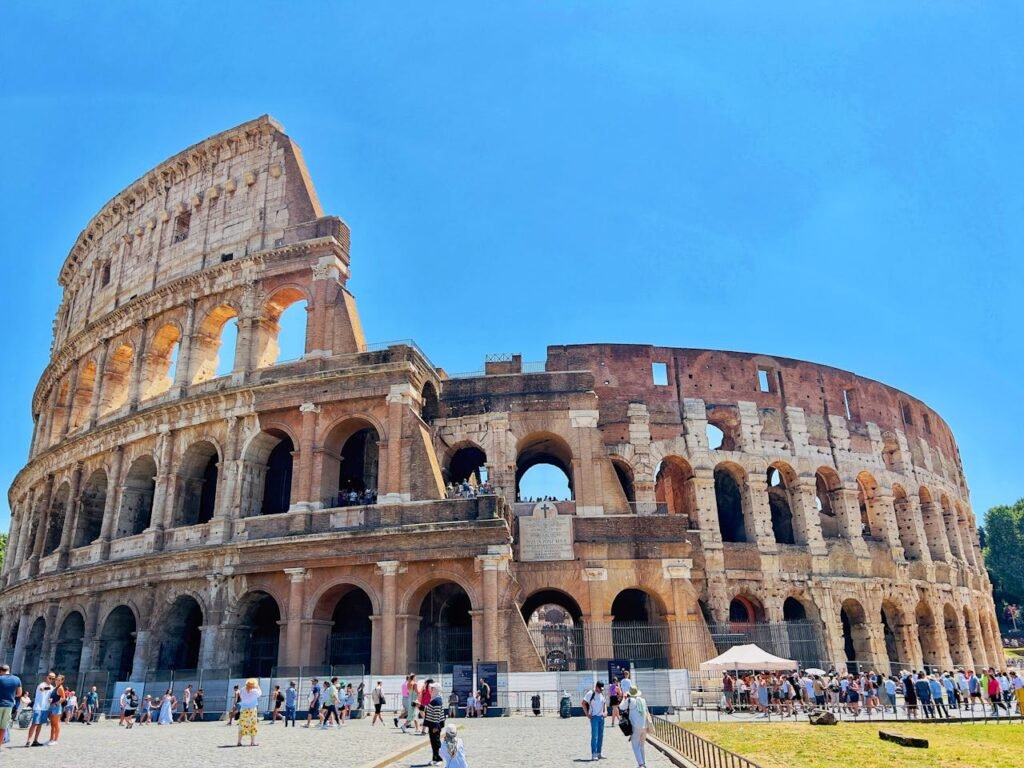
<point x="697" y="750"/>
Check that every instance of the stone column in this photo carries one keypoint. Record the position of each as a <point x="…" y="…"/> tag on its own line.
<point x="391" y="491"/>
<point x="597" y="632"/>
<point x="138" y="358"/>
<point x="50" y="638"/>
<point x="28" y="514"/>
<point x="846" y="504"/>
<point x="70" y="517"/>
<point x="43" y="515"/>
<point x="293" y="656"/>
<point x="228" y="497"/>
<point x="139" y="663"/>
<point x="757" y="514"/>
<point x="909" y="510"/>
<point x="806" y="524"/>
<point x="935" y="533"/>
<point x="183" y="366"/>
<point x="89" y="639"/>
<point x="308" y="491"/>
<point x="69" y="406"/>
<point x="953" y="534"/>
<point x="489" y="565"/>
<point x="18" y="658"/>
<point x="111" y="505"/>
<point x="389" y="570"/>
<point x="97" y="390"/>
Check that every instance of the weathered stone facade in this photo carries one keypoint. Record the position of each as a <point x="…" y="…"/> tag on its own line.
<point x="192" y="519"/>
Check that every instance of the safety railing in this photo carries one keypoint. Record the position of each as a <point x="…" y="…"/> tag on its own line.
<point x="696" y="749"/>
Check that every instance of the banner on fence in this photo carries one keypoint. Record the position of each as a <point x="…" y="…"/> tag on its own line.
<point x="462" y="681"/>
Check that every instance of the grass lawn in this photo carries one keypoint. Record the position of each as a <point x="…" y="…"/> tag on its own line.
<point x="800" y="745"/>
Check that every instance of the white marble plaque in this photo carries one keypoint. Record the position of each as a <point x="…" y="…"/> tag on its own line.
<point x="545" y="535"/>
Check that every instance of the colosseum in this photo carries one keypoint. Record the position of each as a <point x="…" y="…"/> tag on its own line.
<point x="188" y="505"/>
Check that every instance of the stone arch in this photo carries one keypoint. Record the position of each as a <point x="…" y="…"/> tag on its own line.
<point x="117" y="642"/>
<point x="546" y="448"/>
<point x="465" y="461"/>
<point x="418" y="589"/>
<point x="893" y="621"/>
<point x="928" y="631"/>
<point x="968" y="534"/>
<point x="952" y="530"/>
<point x="734" y="519"/>
<point x="196" y="487"/>
<point x="934" y="530"/>
<point x="856" y="635"/>
<point x="958" y="649"/>
<point x="55" y="520"/>
<point x="34" y="646"/>
<point x="431" y="407"/>
<point x="180" y="641"/>
<point x="92" y="502"/>
<point x="343" y="627"/>
<point x="827" y="486"/>
<point x="639" y="627"/>
<point x="267" y="472"/>
<point x="117" y="374"/>
<point x="67" y="652"/>
<point x="81" y="401"/>
<point x="160" y="360"/>
<point x="906" y="523"/>
<point x="257" y="636"/>
<point x="445" y="632"/>
<point x="272" y="321"/>
<point x="624" y="473"/>
<point x="744" y="610"/>
<point x="872" y="524"/>
<point x="554" y="621"/>
<point x="781" y="481"/>
<point x="673" y="487"/>
<point x="351" y="458"/>
<point x="136" y="511"/>
<point x="207" y="342"/>
<point x="726" y="421"/>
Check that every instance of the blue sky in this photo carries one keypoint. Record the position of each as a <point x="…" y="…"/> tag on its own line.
<point x="838" y="184"/>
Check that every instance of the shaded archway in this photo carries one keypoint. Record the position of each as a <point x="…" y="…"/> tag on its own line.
<point x="351" y="461"/>
<point x="117" y="643"/>
<point x="856" y="637"/>
<point x="34" y="646"/>
<point x="673" y="487"/>
<point x="905" y="523"/>
<point x="445" y="635"/>
<point x="951" y="524"/>
<point x="803" y="635"/>
<point x="197" y="484"/>
<point x="892" y="621"/>
<point x="267" y="479"/>
<point x="182" y="636"/>
<point x="555" y="624"/>
<point x="81" y="401"/>
<point x="954" y="636"/>
<point x="431" y="408"/>
<point x="137" y="498"/>
<point x="867" y="499"/>
<point x="780" y="478"/>
<point x="744" y="611"/>
<point x="624" y="473"/>
<point x="467" y="463"/>
<point x="92" y="502"/>
<point x="928" y="632"/>
<point x="729" y="480"/>
<point x="826" y="486"/>
<point x="56" y="519"/>
<point x="553" y="457"/>
<point x="257" y="636"/>
<point x="67" y="652"/>
<point x="348" y="637"/>
<point x="639" y="631"/>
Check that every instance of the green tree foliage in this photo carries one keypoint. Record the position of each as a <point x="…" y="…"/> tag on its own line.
<point x="1004" y="552"/>
<point x="3" y="548"/>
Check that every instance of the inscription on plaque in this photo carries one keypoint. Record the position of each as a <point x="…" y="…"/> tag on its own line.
<point x="545" y="535"/>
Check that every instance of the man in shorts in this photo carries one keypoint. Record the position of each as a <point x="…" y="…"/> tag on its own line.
<point x="197" y="706"/>
<point x="40" y="709"/>
<point x="314" y="702"/>
<point x="10" y="692"/>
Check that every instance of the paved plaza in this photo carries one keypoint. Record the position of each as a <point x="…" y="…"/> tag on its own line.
<point x="511" y="742"/>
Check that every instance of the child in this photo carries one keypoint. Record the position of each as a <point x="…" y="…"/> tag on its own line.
<point x="453" y="751"/>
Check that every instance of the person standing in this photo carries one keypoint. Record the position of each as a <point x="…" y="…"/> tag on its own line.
<point x="10" y="693"/>
<point x="485" y="696"/>
<point x="57" y="698"/>
<point x="233" y="711"/>
<point x="131" y="708"/>
<point x="92" y="699"/>
<point x="40" y="710"/>
<point x="615" y="696"/>
<point x="453" y="751"/>
<point x="186" y="702"/>
<point x="197" y="706"/>
<point x="937" y="689"/>
<point x="291" y="700"/>
<point x="595" y="707"/>
<point x="433" y="722"/>
<point x="924" y="695"/>
<point x="248" y="718"/>
<point x="314" y="702"/>
<point x="639" y="717"/>
<point x="377" y="697"/>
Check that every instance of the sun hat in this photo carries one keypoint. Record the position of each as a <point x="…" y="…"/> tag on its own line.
<point x="634" y="691"/>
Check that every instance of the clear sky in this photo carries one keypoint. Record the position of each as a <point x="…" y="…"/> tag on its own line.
<point x="841" y="183"/>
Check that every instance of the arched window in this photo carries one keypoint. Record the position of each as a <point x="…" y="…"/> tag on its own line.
<point x="445" y="635"/>
<point x="625" y="475"/>
<point x="67" y="655"/>
<point x="117" y="373"/>
<point x="856" y="637"/>
<point x="137" y="498"/>
<point x="729" y="500"/>
<point x="431" y="406"/>
<point x="544" y="468"/>
<point x="81" y="403"/>
<point x="723" y="429"/>
<point x="870" y="515"/>
<point x="673" y="488"/>
<point x="90" y="511"/>
<point x="161" y="362"/>
<point x="639" y="632"/>
<point x="257" y="637"/>
<point x="281" y="336"/>
<point x="182" y="636"/>
<point x="347" y="610"/>
<point x="56" y="519"/>
<point x="213" y="347"/>
<point x="555" y="623"/>
<point x="351" y="464"/>
<point x="117" y="643"/>
<point x="197" y="481"/>
<point x="928" y="633"/>
<point x="780" y="476"/>
<point x="467" y="464"/>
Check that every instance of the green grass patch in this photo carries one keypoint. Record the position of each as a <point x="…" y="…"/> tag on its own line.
<point x="801" y="745"/>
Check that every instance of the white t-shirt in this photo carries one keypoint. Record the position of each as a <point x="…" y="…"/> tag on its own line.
<point x="250" y="699"/>
<point x="637" y="708"/>
<point x="42" y="702"/>
<point x="597" y="703"/>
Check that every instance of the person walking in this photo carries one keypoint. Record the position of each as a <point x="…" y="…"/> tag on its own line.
<point x="377" y="698"/>
<point x="248" y="717"/>
<point x="433" y="721"/>
<point x="937" y="689"/>
<point x="166" y="716"/>
<point x="453" y="751"/>
<point x="639" y="717"/>
<point x="186" y="703"/>
<point x="330" y="698"/>
<point x="314" y="702"/>
<point x="595" y="707"/>
<point x="291" y="700"/>
<point x="924" y="695"/>
<point x="277" y="697"/>
<point x="10" y="693"/>
<point x="131" y="708"/>
<point x="995" y="694"/>
<point x="92" y="700"/>
<point x="197" y="706"/>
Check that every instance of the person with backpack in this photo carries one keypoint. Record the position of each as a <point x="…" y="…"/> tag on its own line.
<point x="595" y="707"/>
<point x="377" y="698"/>
<point x="639" y="717"/>
<point x="131" y="707"/>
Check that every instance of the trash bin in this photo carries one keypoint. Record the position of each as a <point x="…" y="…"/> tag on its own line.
<point x="535" y="703"/>
<point x="565" y="706"/>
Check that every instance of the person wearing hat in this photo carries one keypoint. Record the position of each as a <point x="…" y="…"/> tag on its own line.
<point x="453" y="751"/>
<point x="595" y="707"/>
<point x="639" y="717"/>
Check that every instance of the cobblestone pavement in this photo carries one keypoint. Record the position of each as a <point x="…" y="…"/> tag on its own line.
<point x="543" y="742"/>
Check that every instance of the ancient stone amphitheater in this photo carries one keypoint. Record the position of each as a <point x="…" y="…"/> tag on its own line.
<point x="186" y="505"/>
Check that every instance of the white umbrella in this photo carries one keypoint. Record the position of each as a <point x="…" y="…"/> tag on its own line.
<point x="815" y="671"/>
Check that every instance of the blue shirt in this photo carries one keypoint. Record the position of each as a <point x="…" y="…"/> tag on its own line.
<point x="289" y="698"/>
<point x="9" y="685"/>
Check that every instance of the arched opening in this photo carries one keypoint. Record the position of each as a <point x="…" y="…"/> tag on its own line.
<point x="892" y="622"/>
<point x="952" y="534"/>
<point x="722" y="429"/>
<point x="955" y="638"/>
<point x="67" y="654"/>
<point x="673" y="488"/>
<point x="928" y="632"/>
<point x="803" y="635"/>
<point x="934" y="530"/>
<point x="137" y="498"/>
<point x="870" y="516"/>
<point x="160" y="362"/>
<point x="351" y="462"/>
<point x="826" y="483"/>
<point x="555" y="623"/>
<point x="117" y="643"/>
<point x="277" y="486"/>
<point x="715" y="436"/>
<point x="281" y="335"/>
<point x="467" y="465"/>
<point x="793" y="610"/>
<point x="182" y="635"/>
<point x="974" y="641"/>
<point x="856" y="639"/>
<point x="81" y="403"/>
<point x="350" y="632"/>
<point x="544" y="468"/>
<point x="445" y="635"/>
<point x="213" y="346"/>
<point x="257" y="636"/>
<point x="905" y="523"/>
<point x="34" y="646"/>
<point x="729" y="500"/>
<point x="968" y="534"/>
<point x="267" y="476"/>
<point x="431" y="407"/>
<point x="779" y="503"/>
<point x="117" y="373"/>
<point x="744" y="611"/>
<point x="639" y="631"/>
<point x="625" y="475"/>
<point x="56" y="519"/>
<point x="90" y="509"/>
<point x="197" y="484"/>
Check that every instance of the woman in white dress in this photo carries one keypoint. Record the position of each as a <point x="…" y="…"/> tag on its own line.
<point x="166" y="709"/>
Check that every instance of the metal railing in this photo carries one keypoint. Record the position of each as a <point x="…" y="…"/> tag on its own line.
<point x="696" y="749"/>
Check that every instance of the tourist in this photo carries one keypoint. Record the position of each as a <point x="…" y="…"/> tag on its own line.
<point x="995" y="694"/>
<point x="40" y="710"/>
<point x="853" y="695"/>
<point x="277" y="701"/>
<point x="197" y="706"/>
<point x="377" y="699"/>
<point x="131" y="708"/>
<point x="890" y="693"/>
<point x="471" y="705"/>
<point x="1018" y="690"/>
<point x="424" y="700"/>
<point x="92" y="700"/>
<point x="330" y="699"/>
<point x="186" y="703"/>
<point x="147" y="710"/>
<point x="937" y="690"/>
<point x="166" y="714"/>
<point x="639" y="717"/>
<point x="595" y="709"/>
<point x="763" y="695"/>
<point x="346" y="698"/>
<point x="57" y="698"/>
<point x="924" y="694"/>
<point x="454" y="751"/>
<point x="974" y="687"/>
<point x="613" y="700"/>
<point x="411" y="704"/>
<point x="122" y="702"/>
<point x="233" y="711"/>
<point x="949" y="685"/>
<point x="314" y="702"/>
<point x="10" y="694"/>
<point x="248" y="719"/>
<point x="728" y="692"/>
<point x="484" y="689"/>
<point x="291" y="701"/>
<point x="453" y="704"/>
<point x="433" y="722"/>
<point x="909" y="695"/>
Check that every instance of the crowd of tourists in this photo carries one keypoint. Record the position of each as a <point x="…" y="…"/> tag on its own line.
<point x="468" y="490"/>
<point x="923" y="695"/>
<point x="354" y="498"/>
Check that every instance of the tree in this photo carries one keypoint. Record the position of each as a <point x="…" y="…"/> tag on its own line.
<point x="1004" y="552"/>
<point x="3" y="549"/>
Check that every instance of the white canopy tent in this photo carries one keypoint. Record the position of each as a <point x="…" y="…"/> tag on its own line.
<point x="747" y="657"/>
